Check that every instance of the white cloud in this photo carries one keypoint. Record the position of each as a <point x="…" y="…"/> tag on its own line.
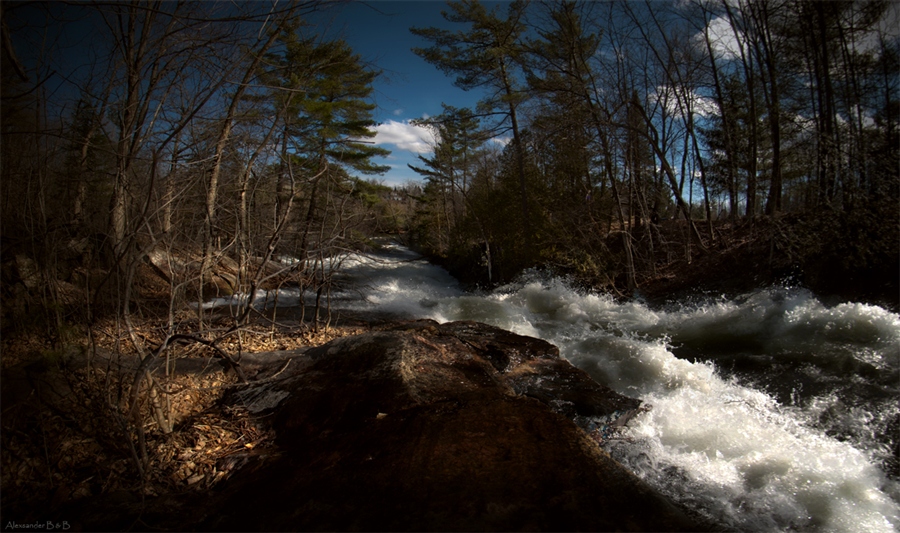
<point x="723" y="39"/>
<point x="404" y="136"/>
<point x="398" y="112"/>
<point x="701" y="105"/>
<point x="502" y="141"/>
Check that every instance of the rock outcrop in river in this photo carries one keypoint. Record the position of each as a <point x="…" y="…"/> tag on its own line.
<point x="421" y="426"/>
<point x="459" y="426"/>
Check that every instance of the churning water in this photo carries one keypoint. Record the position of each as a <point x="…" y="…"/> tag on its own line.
<point x="770" y="412"/>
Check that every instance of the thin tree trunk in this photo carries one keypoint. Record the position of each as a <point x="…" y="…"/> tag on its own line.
<point x="749" y="76"/>
<point x="520" y="156"/>
<point x="696" y="146"/>
<point x="762" y="44"/>
<point x="725" y="114"/>
<point x="670" y="174"/>
<point x="210" y="221"/>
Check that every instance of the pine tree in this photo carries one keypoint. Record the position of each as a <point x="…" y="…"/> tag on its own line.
<point x="485" y="56"/>
<point x="324" y="89"/>
<point x="447" y="172"/>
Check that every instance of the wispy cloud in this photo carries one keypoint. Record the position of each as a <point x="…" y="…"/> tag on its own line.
<point x="398" y="112"/>
<point x="700" y="105"/>
<point x="723" y="38"/>
<point x="502" y="141"/>
<point x="404" y="136"/>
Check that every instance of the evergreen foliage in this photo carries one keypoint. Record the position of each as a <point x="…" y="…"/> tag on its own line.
<point x="639" y="115"/>
<point x="610" y="140"/>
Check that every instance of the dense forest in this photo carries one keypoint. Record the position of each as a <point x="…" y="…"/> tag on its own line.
<point x="202" y="149"/>
<point x="623" y="118"/>
<point x="606" y="130"/>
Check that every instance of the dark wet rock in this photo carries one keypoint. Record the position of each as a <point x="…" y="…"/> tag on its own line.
<point x="440" y="427"/>
<point x="424" y="427"/>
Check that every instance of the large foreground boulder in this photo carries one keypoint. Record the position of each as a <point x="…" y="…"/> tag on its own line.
<point x="422" y="426"/>
<point x="414" y="427"/>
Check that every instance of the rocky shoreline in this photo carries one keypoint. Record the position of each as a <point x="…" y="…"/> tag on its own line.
<point x="415" y="426"/>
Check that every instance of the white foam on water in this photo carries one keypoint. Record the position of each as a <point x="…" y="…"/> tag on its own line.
<point x="395" y="281"/>
<point x="726" y="449"/>
<point x="781" y="322"/>
<point x="758" y="466"/>
<point x="731" y="451"/>
<point x="262" y="299"/>
<point x="398" y="283"/>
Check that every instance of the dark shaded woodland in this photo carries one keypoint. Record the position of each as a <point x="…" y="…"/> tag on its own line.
<point x="638" y="136"/>
<point x="155" y="155"/>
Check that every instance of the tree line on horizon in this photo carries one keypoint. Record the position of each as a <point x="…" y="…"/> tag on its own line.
<point x="231" y="135"/>
<point x="620" y="115"/>
<point x="189" y="137"/>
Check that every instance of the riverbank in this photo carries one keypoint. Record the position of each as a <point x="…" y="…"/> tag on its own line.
<point x="64" y="440"/>
<point x="410" y="426"/>
<point x="781" y="252"/>
<point x="838" y="259"/>
<point x="778" y="371"/>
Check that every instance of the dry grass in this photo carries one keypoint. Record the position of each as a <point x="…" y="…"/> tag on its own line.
<point x="65" y="437"/>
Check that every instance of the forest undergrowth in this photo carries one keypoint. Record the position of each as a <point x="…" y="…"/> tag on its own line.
<point x="791" y="250"/>
<point x="63" y="438"/>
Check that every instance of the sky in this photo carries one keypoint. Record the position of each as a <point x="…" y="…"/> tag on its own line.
<point x="377" y="30"/>
<point x="409" y="87"/>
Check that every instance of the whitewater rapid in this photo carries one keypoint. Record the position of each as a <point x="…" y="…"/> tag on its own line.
<point x="770" y="412"/>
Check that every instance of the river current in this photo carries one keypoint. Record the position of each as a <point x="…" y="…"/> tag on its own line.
<point x="769" y="412"/>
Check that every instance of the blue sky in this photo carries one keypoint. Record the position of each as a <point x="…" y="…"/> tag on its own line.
<point x="378" y="30"/>
<point x="409" y="87"/>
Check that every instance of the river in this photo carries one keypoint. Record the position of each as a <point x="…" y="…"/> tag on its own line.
<point x="769" y="412"/>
